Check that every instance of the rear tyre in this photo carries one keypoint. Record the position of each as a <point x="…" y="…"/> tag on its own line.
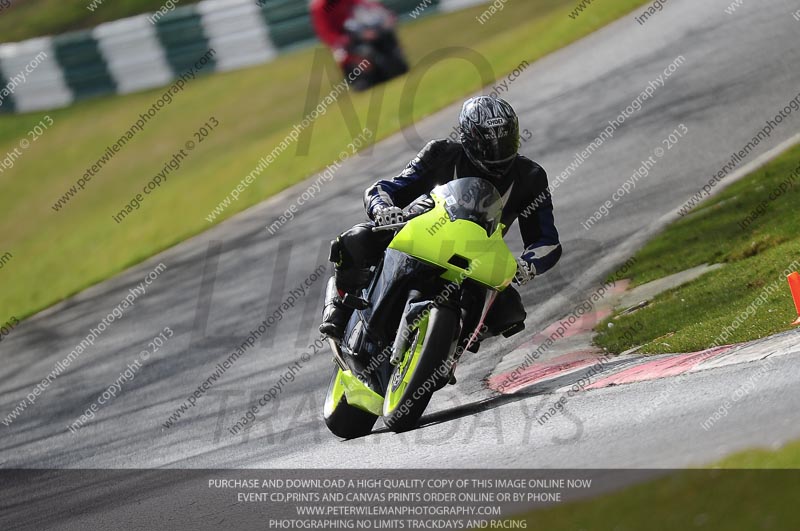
<point x="422" y="370"/>
<point x="342" y="419"/>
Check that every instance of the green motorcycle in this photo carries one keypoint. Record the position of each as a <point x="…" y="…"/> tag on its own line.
<point x="426" y="304"/>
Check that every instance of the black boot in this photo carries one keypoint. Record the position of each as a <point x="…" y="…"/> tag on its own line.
<point x="350" y="276"/>
<point x="335" y="315"/>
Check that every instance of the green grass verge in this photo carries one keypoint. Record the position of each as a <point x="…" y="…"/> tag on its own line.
<point x="746" y="495"/>
<point x="786" y="457"/>
<point x="756" y="253"/>
<point x="26" y="19"/>
<point x="57" y="254"/>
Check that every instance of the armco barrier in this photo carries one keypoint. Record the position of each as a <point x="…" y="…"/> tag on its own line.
<point x="144" y="51"/>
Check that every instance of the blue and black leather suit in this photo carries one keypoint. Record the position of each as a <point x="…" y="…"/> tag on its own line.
<point x="527" y="200"/>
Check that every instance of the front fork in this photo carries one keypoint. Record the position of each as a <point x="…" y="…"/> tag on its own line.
<point x="410" y="319"/>
<point x="417" y="309"/>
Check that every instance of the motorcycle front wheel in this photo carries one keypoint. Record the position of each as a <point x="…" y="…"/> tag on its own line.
<point x="421" y="370"/>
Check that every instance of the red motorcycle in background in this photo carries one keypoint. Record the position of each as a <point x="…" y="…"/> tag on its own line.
<point x="363" y="37"/>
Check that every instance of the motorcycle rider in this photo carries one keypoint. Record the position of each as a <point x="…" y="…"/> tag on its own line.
<point x="489" y="149"/>
<point x="328" y="18"/>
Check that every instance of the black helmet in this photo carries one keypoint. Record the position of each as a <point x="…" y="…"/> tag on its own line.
<point x="489" y="134"/>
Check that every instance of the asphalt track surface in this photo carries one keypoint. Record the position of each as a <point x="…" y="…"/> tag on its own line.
<point x="740" y="70"/>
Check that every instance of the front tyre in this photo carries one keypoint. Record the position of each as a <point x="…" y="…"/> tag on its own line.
<point x="422" y="369"/>
<point x="344" y="420"/>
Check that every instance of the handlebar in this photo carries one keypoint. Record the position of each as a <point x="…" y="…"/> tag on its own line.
<point x="394" y="226"/>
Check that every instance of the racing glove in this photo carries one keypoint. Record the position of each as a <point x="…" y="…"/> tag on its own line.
<point x="390" y="215"/>
<point x="525" y="272"/>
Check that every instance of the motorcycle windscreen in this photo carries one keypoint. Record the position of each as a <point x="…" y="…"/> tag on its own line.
<point x="462" y="234"/>
<point x="472" y="199"/>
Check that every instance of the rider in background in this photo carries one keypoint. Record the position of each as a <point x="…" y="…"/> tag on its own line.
<point x="488" y="149"/>
<point x="328" y="18"/>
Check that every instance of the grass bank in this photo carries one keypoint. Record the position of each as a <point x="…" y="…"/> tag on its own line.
<point x="752" y="228"/>
<point x="743" y="492"/>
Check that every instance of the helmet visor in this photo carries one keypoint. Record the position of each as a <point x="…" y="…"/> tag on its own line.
<point x="494" y="155"/>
